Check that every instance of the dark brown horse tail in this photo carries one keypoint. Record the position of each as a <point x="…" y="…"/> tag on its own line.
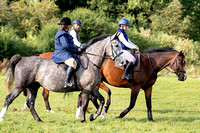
<point x="9" y="77"/>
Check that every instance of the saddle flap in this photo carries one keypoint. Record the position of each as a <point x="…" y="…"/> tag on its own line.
<point x="137" y="63"/>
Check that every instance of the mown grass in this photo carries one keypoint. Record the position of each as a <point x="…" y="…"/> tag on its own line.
<point x="175" y="104"/>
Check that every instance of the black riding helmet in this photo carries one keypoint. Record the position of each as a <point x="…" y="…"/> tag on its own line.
<point x="65" y="21"/>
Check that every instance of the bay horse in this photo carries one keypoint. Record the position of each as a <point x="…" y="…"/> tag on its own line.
<point x="34" y="71"/>
<point x="151" y="62"/>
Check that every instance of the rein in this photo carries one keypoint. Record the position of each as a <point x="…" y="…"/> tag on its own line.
<point x="104" y="57"/>
<point x="164" y="67"/>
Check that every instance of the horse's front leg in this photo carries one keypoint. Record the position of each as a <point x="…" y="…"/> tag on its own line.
<point x="45" y="95"/>
<point x="134" y="94"/>
<point x="108" y="91"/>
<point x="96" y="94"/>
<point x="32" y="94"/>
<point x="148" y="92"/>
<point x="85" y="101"/>
<point x="78" y="110"/>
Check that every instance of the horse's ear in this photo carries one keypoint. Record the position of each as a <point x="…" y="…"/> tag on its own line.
<point x="181" y="52"/>
<point x="115" y="35"/>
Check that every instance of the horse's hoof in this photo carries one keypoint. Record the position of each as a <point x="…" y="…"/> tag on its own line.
<point x="106" y="109"/>
<point x="103" y="115"/>
<point x="23" y="109"/>
<point x="83" y="121"/>
<point x="118" y="117"/>
<point x="151" y="120"/>
<point x="92" y="117"/>
<point x="50" y="111"/>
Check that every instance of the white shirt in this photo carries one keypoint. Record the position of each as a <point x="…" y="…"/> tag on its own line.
<point x="128" y="43"/>
<point x="74" y="35"/>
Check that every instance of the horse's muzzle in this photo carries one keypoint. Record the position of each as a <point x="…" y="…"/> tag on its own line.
<point x="182" y="77"/>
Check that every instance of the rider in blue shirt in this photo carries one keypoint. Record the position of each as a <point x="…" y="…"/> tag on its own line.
<point x="65" y="51"/>
<point x="126" y="46"/>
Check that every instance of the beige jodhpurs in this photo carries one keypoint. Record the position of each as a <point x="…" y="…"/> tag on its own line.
<point x="71" y="62"/>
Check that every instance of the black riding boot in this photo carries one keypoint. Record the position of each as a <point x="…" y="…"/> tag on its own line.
<point x="128" y="70"/>
<point x="69" y="73"/>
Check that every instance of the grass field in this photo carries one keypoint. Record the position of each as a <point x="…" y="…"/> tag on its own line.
<point x="175" y="106"/>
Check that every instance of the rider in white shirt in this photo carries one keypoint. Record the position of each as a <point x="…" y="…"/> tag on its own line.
<point x="126" y="46"/>
<point x="74" y="32"/>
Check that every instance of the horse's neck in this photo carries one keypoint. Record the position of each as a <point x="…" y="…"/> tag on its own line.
<point x="161" y="60"/>
<point x="98" y="51"/>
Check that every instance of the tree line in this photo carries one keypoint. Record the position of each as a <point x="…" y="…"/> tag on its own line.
<point x="31" y="24"/>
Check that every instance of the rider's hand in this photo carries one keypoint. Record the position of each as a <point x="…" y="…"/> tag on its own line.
<point x="79" y="51"/>
<point x="136" y="49"/>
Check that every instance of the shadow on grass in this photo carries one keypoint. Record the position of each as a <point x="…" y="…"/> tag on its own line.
<point x="168" y="117"/>
<point x="171" y="111"/>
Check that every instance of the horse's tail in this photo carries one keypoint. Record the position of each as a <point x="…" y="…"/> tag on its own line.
<point x="9" y="77"/>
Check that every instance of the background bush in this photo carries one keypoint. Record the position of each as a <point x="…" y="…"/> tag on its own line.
<point x="11" y="44"/>
<point x="93" y="24"/>
<point x="28" y="27"/>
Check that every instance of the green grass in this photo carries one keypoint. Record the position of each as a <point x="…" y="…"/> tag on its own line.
<point x="175" y="105"/>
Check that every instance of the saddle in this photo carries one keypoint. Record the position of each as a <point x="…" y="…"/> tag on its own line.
<point x="136" y="65"/>
<point x="73" y="78"/>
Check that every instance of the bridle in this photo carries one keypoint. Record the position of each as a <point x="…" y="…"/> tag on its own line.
<point x="113" y="56"/>
<point x="175" y="62"/>
<point x="162" y="67"/>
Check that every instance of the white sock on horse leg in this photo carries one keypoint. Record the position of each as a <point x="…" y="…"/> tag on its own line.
<point x="3" y="113"/>
<point x="103" y="115"/>
<point x="78" y="112"/>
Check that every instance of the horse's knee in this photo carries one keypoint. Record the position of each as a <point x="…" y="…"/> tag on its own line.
<point x="45" y="96"/>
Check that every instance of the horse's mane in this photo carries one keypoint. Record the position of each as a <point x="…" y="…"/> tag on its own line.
<point x="96" y="39"/>
<point x="156" y="50"/>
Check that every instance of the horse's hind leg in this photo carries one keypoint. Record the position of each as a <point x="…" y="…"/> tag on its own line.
<point x="96" y="94"/>
<point x="9" y="99"/>
<point x="31" y="102"/>
<point x="45" y="95"/>
<point x="108" y="91"/>
<point x="94" y="101"/>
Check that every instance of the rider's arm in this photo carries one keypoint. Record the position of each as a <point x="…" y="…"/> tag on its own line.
<point x="126" y="43"/>
<point x="76" y="42"/>
<point x="67" y="45"/>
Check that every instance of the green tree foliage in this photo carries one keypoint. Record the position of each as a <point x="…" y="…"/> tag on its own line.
<point x="170" y="20"/>
<point x="108" y="8"/>
<point x="45" y="40"/>
<point x="192" y="9"/>
<point x="4" y="12"/>
<point x="11" y="44"/>
<point x="93" y="24"/>
<point x="28" y="16"/>
<point x="138" y="11"/>
<point x="29" y="26"/>
<point x="66" y="5"/>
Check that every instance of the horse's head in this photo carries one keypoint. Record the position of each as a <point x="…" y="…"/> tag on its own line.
<point x="115" y="50"/>
<point x="178" y="66"/>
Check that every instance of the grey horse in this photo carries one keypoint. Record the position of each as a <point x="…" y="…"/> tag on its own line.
<point x="33" y="72"/>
